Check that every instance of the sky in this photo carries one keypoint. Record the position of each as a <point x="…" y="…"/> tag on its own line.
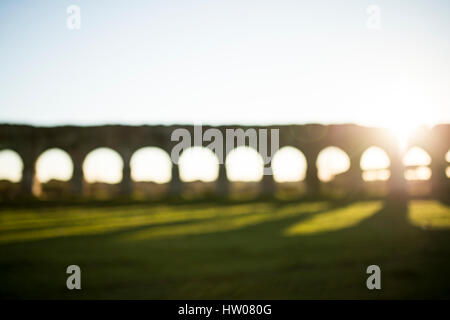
<point x="225" y="62"/>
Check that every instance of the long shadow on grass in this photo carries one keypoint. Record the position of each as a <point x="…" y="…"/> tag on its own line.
<point x="273" y="213"/>
<point x="90" y="222"/>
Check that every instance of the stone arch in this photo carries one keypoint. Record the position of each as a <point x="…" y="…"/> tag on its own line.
<point x="289" y="165"/>
<point x="11" y="173"/>
<point x="54" y="163"/>
<point x="375" y="163"/>
<point x="199" y="171"/>
<point x="417" y="170"/>
<point x="150" y="171"/>
<point x="417" y="163"/>
<point x="198" y="164"/>
<point x="151" y="164"/>
<point x="245" y="171"/>
<point x="11" y="166"/>
<point x="289" y="168"/>
<point x="244" y="164"/>
<point x="101" y="170"/>
<point x="332" y="161"/>
<point x="53" y="169"/>
<point x="376" y="167"/>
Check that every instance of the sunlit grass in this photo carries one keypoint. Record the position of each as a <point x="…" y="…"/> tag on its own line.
<point x="162" y="221"/>
<point x="227" y="250"/>
<point x="33" y="226"/>
<point x="74" y="216"/>
<point x="429" y="214"/>
<point x="335" y="219"/>
<point x="228" y="222"/>
<point x="28" y="225"/>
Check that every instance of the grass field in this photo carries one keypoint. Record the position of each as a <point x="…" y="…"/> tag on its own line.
<point x="254" y="250"/>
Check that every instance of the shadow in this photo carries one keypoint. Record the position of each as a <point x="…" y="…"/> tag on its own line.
<point x="148" y="222"/>
<point x="271" y="213"/>
<point x="30" y="225"/>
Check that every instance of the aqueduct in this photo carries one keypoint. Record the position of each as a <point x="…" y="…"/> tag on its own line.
<point x="29" y="142"/>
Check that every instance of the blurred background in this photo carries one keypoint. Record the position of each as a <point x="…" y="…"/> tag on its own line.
<point x="92" y="90"/>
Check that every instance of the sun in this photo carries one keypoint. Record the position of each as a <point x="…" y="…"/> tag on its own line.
<point x="404" y="127"/>
<point x="402" y="132"/>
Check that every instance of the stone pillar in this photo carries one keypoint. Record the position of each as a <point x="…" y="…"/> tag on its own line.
<point x="222" y="184"/>
<point x="126" y="185"/>
<point x="439" y="181"/>
<point x="312" y="177"/>
<point x="396" y="182"/>
<point x="268" y="185"/>
<point x="355" y="182"/>
<point x="29" y="185"/>
<point x="77" y="180"/>
<point x="28" y="177"/>
<point x="175" y="184"/>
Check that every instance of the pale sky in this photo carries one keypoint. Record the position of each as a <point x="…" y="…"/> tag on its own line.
<point x="219" y="62"/>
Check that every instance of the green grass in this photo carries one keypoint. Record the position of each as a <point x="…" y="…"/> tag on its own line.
<point x="255" y="250"/>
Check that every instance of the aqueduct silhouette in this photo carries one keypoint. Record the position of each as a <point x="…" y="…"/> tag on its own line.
<point x="29" y="142"/>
